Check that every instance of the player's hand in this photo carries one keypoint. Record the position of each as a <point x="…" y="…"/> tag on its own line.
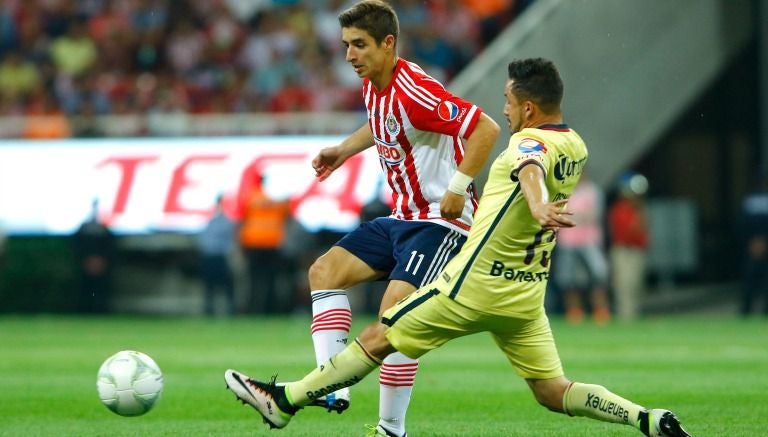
<point x="452" y="205"/>
<point x="553" y="215"/>
<point x="328" y="160"/>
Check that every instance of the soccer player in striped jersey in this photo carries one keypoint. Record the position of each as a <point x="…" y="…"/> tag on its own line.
<point x="495" y="284"/>
<point x="431" y="144"/>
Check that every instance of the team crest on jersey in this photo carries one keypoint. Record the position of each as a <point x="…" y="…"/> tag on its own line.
<point x="448" y="111"/>
<point x="393" y="127"/>
<point x="529" y="145"/>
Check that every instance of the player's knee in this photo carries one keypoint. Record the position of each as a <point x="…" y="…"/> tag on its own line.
<point x="322" y="274"/>
<point x="315" y="275"/>
<point x="549" y="393"/>
<point x="375" y="342"/>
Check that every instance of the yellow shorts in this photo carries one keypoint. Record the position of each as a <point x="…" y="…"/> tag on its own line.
<point x="427" y="319"/>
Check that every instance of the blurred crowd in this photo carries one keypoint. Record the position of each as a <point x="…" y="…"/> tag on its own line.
<point x="86" y="58"/>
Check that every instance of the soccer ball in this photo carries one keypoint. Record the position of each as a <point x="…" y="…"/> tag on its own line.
<point x="129" y="383"/>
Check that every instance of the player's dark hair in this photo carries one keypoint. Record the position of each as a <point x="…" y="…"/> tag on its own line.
<point x="537" y="80"/>
<point x="373" y="16"/>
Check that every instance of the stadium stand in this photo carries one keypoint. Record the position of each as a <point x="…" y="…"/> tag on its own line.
<point x="169" y="68"/>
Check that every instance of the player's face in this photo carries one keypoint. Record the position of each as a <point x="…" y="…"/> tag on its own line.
<point x="513" y="110"/>
<point x="367" y="58"/>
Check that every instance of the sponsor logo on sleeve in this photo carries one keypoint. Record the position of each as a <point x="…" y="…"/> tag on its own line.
<point x="447" y="111"/>
<point x="529" y="145"/>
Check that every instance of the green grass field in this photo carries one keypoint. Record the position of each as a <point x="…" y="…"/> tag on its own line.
<point x="712" y="371"/>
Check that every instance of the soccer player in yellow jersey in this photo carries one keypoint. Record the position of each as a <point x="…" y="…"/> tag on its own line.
<point x="497" y="281"/>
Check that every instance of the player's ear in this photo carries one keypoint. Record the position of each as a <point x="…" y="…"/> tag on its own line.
<point x="529" y="109"/>
<point x="389" y="42"/>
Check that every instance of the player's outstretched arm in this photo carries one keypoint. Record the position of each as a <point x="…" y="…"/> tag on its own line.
<point x="550" y="215"/>
<point x="331" y="158"/>
<point x="476" y="151"/>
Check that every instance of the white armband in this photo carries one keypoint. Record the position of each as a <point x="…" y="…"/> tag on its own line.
<point x="459" y="183"/>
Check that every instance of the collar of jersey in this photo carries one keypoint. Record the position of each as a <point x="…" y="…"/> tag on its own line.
<point x="553" y="126"/>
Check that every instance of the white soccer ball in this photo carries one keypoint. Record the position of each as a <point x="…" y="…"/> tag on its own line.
<point x="129" y="383"/>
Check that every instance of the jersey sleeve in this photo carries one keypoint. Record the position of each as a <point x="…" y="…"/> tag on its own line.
<point x="430" y="107"/>
<point x="524" y="150"/>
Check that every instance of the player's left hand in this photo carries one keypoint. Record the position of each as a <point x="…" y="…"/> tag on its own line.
<point x="452" y="205"/>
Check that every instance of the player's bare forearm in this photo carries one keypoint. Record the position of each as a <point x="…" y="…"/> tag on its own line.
<point x="479" y="145"/>
<point x="476" y="151"/>
<point x="360" y="140"/>
<point x="331" y="158"/>
<point x="550" y="215"/>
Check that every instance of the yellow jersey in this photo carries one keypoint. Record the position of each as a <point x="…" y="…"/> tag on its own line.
<point x="503" y="267"/>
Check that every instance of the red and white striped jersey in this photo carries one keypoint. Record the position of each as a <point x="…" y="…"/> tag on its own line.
<point x="418" y="128"/>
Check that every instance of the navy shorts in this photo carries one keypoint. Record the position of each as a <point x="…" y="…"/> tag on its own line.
<point x="410" y="251"/>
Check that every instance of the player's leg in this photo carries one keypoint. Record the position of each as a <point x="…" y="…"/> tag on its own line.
<point x="530" y="348"/>
<point x="278" y="403"/>
<point x="329" y="277"/>
<point x="597" y="402"/>
<point x="421" y="250"/>
<point x="423" y="321"/>
<point x="360" y="256"/>
<point x="397" y="372"/>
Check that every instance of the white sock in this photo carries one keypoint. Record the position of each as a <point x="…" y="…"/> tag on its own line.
<point x="331" y="321"/>
<point x="396" y="377"/>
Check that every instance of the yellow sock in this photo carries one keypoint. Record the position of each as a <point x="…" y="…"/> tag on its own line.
<point x="596" y="402"/>
<point x="346" y="368"/>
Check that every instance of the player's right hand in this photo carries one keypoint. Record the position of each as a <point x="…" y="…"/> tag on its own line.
<point x="451" y="205"/>
<point x="553" y="215"/>
<point x="328" y="160"/>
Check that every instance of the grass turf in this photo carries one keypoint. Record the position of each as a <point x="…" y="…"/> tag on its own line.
<point x="711" y="371"/>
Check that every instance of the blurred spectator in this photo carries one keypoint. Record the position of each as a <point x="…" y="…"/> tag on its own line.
<point x="580" y="264"/>
<point x="45" y="120"/>
<point x="755" y="228"/>
<point x="262" y="233"/>
<point x="413" y="15"/>
<point x="292" y="96"/>
<point x="8" y="29"/>
<point x="493" y="16"/>
<point x="18" y="77"/>
<point x="215" y="244"/>
<point x="110" y="21"/>
<point x="95" y="250"/>
<point x="75" y="52"/>
<point x="435" y="54"/>
<point x="629" y="243"/>
<point x="149" y="16"/>
<point x="326" y="23"/>
<point x="245" y="10"/>
<point x="459" y="29"/>
<point x="225" y="35"/>
<point x="185" y="47"/>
